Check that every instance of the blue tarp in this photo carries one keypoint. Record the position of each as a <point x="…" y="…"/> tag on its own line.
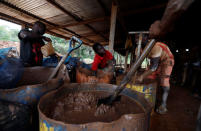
<point x="70" y="62"/>
<point x="4" y="51"/>
<point x="11" y="70"/>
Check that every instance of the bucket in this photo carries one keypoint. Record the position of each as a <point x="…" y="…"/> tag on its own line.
<point x="127" y="122"/>
<point x="47" y="49"/>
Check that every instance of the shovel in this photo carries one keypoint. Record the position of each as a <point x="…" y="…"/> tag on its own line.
<point x="65" y="56"/>
<point x="108" y="100"/>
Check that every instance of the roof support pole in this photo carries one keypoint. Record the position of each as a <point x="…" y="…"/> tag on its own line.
<point x="112" y="27"/>
<point x="126" y="61"/>
<point x="23" y="26"/>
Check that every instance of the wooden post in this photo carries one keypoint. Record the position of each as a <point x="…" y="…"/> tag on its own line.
<point x="138" y="54"/>
<point x="126" y="61"/>
<point x="139" y="46"/>
<point x="23" y="26"/>
<point x="112" y="27"/>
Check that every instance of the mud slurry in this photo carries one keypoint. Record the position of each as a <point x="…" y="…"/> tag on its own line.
<point x="80" y="108"/>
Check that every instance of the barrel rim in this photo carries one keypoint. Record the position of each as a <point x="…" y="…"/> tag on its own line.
<point x="139" y="115"/>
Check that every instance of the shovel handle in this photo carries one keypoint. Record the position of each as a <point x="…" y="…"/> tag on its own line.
<point x="70" y="49"/>
<point x="133" y="69"/>
<point x="65" y="56"/>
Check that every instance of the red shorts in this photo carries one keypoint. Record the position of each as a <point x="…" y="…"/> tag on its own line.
<point x="163" y="72"/>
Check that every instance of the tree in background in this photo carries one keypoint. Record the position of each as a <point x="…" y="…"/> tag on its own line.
<point x="8" y="34"/>
<point x="60" y="45"/>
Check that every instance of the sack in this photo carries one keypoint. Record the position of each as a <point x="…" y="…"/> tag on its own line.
<point x="47" y="49"/>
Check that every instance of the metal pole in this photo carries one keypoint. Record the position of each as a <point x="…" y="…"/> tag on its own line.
<point x="134" y="68"/>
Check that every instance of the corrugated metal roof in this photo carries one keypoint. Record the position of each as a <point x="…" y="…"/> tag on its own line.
<point x="80" y="10"/>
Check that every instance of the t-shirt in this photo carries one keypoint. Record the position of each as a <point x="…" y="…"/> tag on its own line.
<point x="101" y="62"/>
<point x="30" y="50"/>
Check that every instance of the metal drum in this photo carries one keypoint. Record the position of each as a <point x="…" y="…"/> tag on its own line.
<point x="32" y="86"/>
<point x="127" y="122"/>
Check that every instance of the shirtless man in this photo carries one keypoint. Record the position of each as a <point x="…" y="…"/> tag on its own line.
<point x="162" y="61"/>
<point x="161" y="57"/>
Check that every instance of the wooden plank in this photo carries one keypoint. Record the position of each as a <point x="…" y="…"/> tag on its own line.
<point x="112" y="27"/>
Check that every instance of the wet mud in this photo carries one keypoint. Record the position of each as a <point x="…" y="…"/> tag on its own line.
<point x="80" y="108"/>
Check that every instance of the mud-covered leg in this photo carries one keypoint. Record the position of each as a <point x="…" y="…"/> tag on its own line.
<point x="163" y="107"/>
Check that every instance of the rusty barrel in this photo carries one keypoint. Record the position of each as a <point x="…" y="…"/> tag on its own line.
<point x="127" y="122"/>
<point x="31" y="87"/>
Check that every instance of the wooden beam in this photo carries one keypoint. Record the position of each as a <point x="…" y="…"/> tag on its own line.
<point x="39" y="18"/>
<point x="83" y="22"/>
<point x="112" y="27"/>
<point x="75" y="17"/>
<point x="126" y="61"/>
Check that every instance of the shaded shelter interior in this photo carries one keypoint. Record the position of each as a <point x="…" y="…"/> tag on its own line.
<point x="89" y="20"/>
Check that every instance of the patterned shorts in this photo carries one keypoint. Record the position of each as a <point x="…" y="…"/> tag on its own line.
<point x="164" y="71"/>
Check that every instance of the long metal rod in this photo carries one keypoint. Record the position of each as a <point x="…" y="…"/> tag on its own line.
<point x="133" y="69"/>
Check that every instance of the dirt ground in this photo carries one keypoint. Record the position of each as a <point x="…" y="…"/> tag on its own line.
<point x="182" y="112"/>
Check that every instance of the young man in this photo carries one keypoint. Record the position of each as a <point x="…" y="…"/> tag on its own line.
<point x="31" y="43"/>
<point x="162" y="62"/>
<point x="102" y="59"/>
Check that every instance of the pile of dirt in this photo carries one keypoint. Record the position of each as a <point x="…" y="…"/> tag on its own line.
<point x="80" y="108"/>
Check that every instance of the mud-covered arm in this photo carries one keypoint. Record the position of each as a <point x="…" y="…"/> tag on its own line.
<point x="173" y="11"/>
<point x="154" y="56"/>
<point x="153" y="67"/>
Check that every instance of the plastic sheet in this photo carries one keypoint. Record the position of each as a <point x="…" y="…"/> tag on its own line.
<point x="11" y="70"/>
